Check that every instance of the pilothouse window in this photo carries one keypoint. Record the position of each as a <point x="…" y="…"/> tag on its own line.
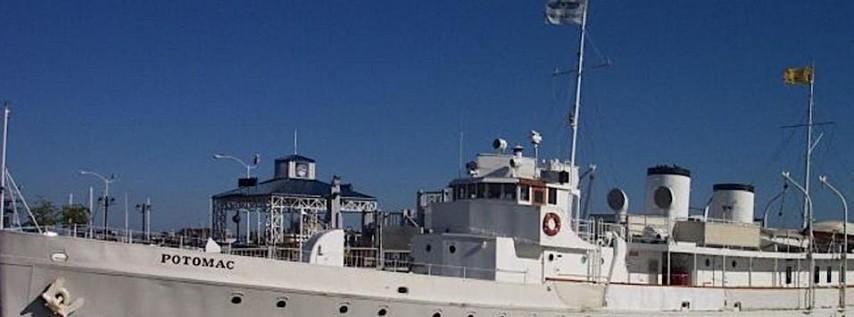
<point x="539" y="196"/>
<point x="525" y="192"/>
<point x="494" y="191"/>
<point x="552" y="196"/>
<point x="509" y="192"/>
<point x="481" y="190"/>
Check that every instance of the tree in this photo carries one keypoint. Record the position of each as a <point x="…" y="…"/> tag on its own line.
<point x="74" y="214"/>
<point x="45" y="213"/>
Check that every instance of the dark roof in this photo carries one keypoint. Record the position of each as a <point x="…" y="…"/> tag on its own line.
<point x="294" y="187"/>
<point x="295" y="157"/>
<point x="733" y="186"/>
<point x="668" y="170"/>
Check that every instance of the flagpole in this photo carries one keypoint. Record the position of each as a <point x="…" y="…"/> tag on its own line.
<point x="807" y="214"/>
<point x="573" y="120"/>
<point x="809" y="208"/>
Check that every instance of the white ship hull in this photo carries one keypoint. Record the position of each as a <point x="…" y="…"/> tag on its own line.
<point x="116" y="279"/>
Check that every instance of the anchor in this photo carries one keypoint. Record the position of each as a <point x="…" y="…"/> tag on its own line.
<point x="57" y="299"/>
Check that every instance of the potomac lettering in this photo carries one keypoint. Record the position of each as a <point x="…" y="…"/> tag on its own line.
<point x="196" y="261"/>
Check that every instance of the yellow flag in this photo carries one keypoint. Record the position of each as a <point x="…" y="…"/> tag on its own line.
<point x="797" y="75"/>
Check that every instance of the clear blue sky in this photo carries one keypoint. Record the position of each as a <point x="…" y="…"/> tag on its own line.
<point x="379" y="91"/>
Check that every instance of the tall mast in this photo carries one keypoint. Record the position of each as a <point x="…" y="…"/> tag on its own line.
<point x="573" y="120"/>
<point x="807" y="213"/>
<point x="3" y="164"/>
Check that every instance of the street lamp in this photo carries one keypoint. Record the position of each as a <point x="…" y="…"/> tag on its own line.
<point x="844" y="270"/>
<point x="249" y="167"/>
<point x="106" y="199"/>
<point x="809" y="217"/>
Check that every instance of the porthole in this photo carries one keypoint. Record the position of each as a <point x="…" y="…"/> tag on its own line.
<point x="437" y="314"/>
<point x="734" y="264"/>
<point x="428" y="248"/>
<point x="343" y="309"/>
<point x="551" y="257"/>
<point x="281" y="303"/>
<point x="236" y="299"/>
<point x="382" y="312"/>
<point x="403" y="290"/>
<point x="452" y="249"/>
<point x="663" y="197"/>
<point x="708" y="263"/>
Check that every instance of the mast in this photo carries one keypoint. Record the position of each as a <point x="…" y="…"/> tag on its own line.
<point x="3" y="165"/>
<point x="807" y="213"/>
<point x="573" y="120"/>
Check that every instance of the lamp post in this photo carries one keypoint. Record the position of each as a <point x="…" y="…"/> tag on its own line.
<point x="809" y="220"/>
<point x="106" y="198"/>
<point x="842" y="281"/>
<point x="249" y="167"/>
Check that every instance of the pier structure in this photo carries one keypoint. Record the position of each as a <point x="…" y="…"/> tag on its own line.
<point x="293" y="201"/>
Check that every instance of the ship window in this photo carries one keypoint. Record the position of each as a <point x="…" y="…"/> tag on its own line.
<point x="539" y="196"/>
<point x="236" y="299"/>
<point x="509" y="192"/>
<point x="382" y="312"/>
<point x="481" y="190"/>
<point x="829" y="274"/>
<point x="816" y="275"/>
<point x="281" y="303"/>
<point x="552" y="196"/>
<point x="452" y="249"/>
<point x="403" y="290"/>
<point x="788" y="275"/>
<point x="525" y="193"/>
<point x="470" y="191"/>
<point x="734" y="264"/>
<point x="494" y="191"/>
<point x="708" y="263"/>
<point x="428" y="247"/>
<point x="437" y="315"/>
<point x="343" y="309"/>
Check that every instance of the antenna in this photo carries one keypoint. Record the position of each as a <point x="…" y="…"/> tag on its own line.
<point x="296" y="142"/>
<point x="460" y="156"/>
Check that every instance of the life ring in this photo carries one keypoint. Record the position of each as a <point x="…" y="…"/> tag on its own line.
<point x="551" y="224"/>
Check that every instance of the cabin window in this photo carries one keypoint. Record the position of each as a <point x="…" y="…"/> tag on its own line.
<point x="539" y="196"/>
<point x="459" y="192"/>
<point x="829" y="274"/>
<point x="815" y="275"/>
<point x="481" y="190"/>
<point x="525" y="192"/>
<point x="552" y="196"/>
<point x="493" y="191"/>
<point x="509" y="192"/>
<point x="788" y="275"/>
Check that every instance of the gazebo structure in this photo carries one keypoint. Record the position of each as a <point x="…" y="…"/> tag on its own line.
<point x="293" y="191"/>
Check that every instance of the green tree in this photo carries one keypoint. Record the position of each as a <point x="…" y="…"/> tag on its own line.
<point x="75" y="214"/>
<point x="45" y="213"/>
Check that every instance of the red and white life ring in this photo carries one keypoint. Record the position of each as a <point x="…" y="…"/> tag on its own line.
<point x="551" y="224"/>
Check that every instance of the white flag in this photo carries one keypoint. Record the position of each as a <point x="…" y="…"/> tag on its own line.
<point x="565" y="11"/>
